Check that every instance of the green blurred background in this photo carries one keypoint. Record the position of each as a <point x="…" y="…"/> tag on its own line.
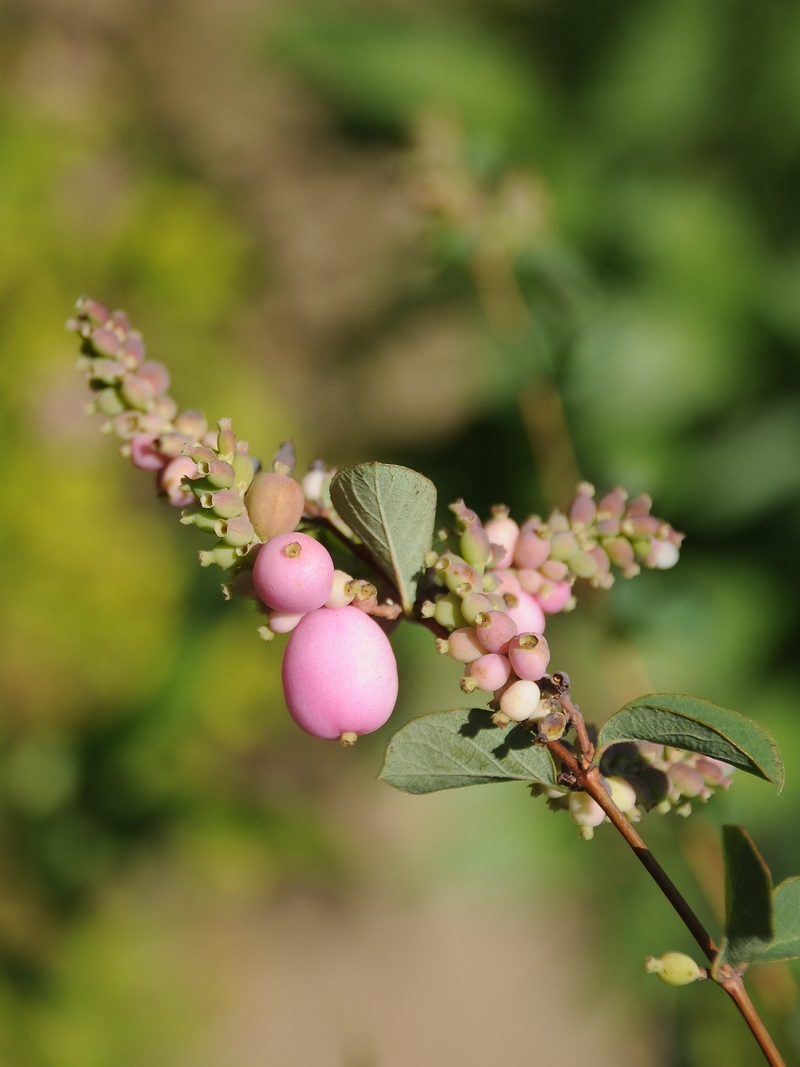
<point x="504" y="242"/>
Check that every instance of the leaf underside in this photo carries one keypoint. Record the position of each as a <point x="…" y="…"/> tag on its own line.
<point x="749" y="923"/>
<point x="697" y="725"/>
<point x="786" y="914"/>
<point x="392" y="509"/>
<point x="448" y="749"/>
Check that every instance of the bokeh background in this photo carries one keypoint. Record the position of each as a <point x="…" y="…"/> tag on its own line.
<point x="505" y="242"/>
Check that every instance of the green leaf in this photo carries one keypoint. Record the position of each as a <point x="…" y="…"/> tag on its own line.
<point x="393" y="510"/>
<point x="786" y="909"/>
<point x="698" y="726"/>
<point x="448" y="749"/>
<point x="749" y="924"/>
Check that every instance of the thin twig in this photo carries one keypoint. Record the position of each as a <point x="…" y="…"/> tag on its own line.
<point x="590" y="781"/>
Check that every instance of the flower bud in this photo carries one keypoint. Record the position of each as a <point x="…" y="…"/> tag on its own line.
<point x="622" y="793"/>
<point x="530" y="581"/>
<point x="171" y="479"/>
<point x="218" y="473"/>
<point x="156" y="375"/>
<point x="489" y="673"/>
<point x="236" y="531"/>
<point x="553" y="597"/>
<point x="554" y="570"/>
<point x="502" y="530"/>
<point x="458" y="576"/>
<point x="521" y="701"/>
<point x="686" y="779"/>
<point x="465" y="516"/>
<point x="244" y="468"/>
<point x="137" y="392"/>
<point x="107" y="371"/>
<point x="283" y="622"/>
<point x="203" y="520"/>
<point x="284" y="460"/>
<point x="226" y="440"/>
<point x="586" y="812"/>
<point x="342" y="591"/>
<point x="530" y="551"/>
<point x="558" y="522"/>
<point x="527" y="614"/>
<point x="639" y="507"/>
<point x="495" y="630"/>
<point x="612" y="505"/>
<point x="674" y="968"/>
<point x="314" y="482"/>
<point x="96" y="313"/>
<point x="475" y="546"/>
<point x="143" y="453"/>
<point x="105" y="342"/>
<point x="192" y="424"/>
<point x="165" y="408"/>
<point x="447" y="611"/>
<point x="563" y="546"/>
<point x="275" y="504"/>
<point x="473" y="605"/>
<point x="225" y="502"/>
<point x="463" y="645"/>
<point x="108" y="403"/>
<point x="714" y="772"/>
<point x="221" y="555"/>
<point x="529" y="655"/>
<point x="583" y="565"/>
<point x="583" y="510"/>
<point x="662" y="555"/>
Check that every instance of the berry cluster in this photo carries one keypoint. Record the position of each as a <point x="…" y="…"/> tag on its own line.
<point x="339" y="671"/>
<point x="641" y="777"/>
<point x="507" y="578"/>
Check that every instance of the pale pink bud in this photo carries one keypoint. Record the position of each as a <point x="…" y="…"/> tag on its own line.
<point x="144" y="455"/>
<point x="530" y="551"/>
<point x="495" y="630"/>
<point x="662" y="555"/>
<point x="529" y="655"/>
<point x="612" y="505"/>
<point x="156" y="375"/>
<point x="527" y="614"/>
<point x="342" y="591"/>
<point x="489" y="673"/>
<point x="171" y="477"/>
<point x="530" y="581"/>
<point x="521" y="701"/>
<point x="502" y="530"/>
<point x="553" y="597"/>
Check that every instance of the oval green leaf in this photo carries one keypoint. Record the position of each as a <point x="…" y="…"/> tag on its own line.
<point x="448" y="749"/>
<point x="786" y="910"/>
<point x="392" y="510"/>
<point x="697" y="725"/>
<point x="749" y="924"/>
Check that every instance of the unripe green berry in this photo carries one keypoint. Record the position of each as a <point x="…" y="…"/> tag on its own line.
<point x="473" y="605"/>
<point x="447" y="611"/>
<point x="622" y="793"/>
<point x="674" y="968"/>
<point x="563" y="546"/>
<point x="476" y="547"/>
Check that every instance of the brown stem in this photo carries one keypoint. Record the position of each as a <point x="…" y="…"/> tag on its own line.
<point x="590" y="781"/>
<point x="585" y="746"/>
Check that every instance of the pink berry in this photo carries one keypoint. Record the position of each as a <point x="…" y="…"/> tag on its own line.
<point x="530" y="581"/>
<point x="503" y="531"/>
<point x="530" y="551"/>
<point x="554" y="596"/>
<point x="463" y="645"/>
<point x="495" y="630"/>
<point x="488" y="673"/>
<point x="528" y="616"/>
<point x="529" y="655"/>
<point x="293" y="573"/>
<point x="339" y="673"/>
<point x="507" y="583"/>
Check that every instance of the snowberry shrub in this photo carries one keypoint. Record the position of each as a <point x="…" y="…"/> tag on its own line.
<point x="484" y="590"/>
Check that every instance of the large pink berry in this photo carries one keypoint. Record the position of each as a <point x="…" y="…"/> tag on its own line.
<point x="339" y="673"/>
<point x="527" y="614"/>
<point x="529" y="655"/>
<point x="293" y="573"/>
